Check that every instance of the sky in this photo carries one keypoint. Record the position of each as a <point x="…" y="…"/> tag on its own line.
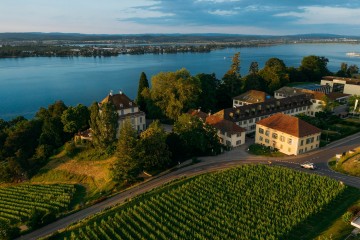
<point x="260" y="17"/>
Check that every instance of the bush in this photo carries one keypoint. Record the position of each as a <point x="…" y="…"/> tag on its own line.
<point x="347" y="217"/>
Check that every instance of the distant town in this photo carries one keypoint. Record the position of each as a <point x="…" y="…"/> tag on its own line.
<point x="60" y="45"/>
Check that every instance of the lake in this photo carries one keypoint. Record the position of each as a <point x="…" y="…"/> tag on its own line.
<point x="26" y="84"/>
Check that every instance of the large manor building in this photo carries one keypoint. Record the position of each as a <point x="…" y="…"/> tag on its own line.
<point x="126" y="109"/>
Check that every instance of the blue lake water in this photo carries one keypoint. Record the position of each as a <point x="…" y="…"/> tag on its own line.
<point x="26" y="84"/>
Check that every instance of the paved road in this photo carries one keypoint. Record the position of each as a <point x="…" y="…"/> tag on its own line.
<point x="232" y="158"/>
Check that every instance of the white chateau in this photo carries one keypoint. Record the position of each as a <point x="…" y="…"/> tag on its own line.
<point x="126" y="109"/>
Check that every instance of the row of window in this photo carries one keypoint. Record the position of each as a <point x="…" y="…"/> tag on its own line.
<point x="274" y="136"/>
<point x="295" y="110"/>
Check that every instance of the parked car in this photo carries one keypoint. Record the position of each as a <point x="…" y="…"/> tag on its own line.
<point x="308" y="165"/>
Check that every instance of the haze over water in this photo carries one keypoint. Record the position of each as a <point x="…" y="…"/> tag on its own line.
<point x="26" y="84"/>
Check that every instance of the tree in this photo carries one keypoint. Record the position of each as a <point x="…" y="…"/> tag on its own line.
<point x="231" y="84"/>
<point x="104" y="124"/>
<point x="235" y="66"/>
<point x="127" y="166"/>
<point x="314" y="68"/>
<point x="140" y="100"/>
<point x="347" y="71"/>
<point x="199" y="138"/>
<point x="75" y="119"/>
<point x="328" y="104"/>
<point x="254" y="68"/>
<point x="253" y="81"/>
<point x="175" y="92"/>
<point x="275" y="75"/>
<point x="207" y="98"/>
<point x="154" y="152"/>
<point x="351" y="103"/>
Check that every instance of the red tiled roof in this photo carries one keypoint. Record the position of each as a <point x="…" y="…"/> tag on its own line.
<point x="289" y="124"/>
<point x="198" y="113"/>
<point x="120" y="101"/>
<point x="224" y="125"/>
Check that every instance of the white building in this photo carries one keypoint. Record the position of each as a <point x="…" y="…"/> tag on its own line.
<point x="290" y="135"/>
<point x="126" y="109"/>
<point x="343" y="85"/>
<point x="228" y="132"/>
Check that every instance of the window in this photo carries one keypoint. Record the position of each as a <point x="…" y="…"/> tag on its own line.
<point x="140" y="119"/>
<point x="289" y="141"/>
<point x="238" y="135"/>
<point x="318" y="137"/>
<point x="301" y="151"/>
<point x="257" y="119"/>
<point x="261" y="130"/>
<point x="122" y="112"/>
<point x="252" y="127"/>
<point x="244" y="121"/>
<point x="267" y="133"/>
<point x="238" y="142"/>
<point x="282" y="138"/>
<point x="260" y="138"/>
<point x="228" y="143"/>
<point x="144" y="126"/>
<point x="132" y="120"/>
<point x="228" y="134"/>
<point x="309" y="140"/>
<point x="274" y="135"/>
<point x="251" y="120"/>
<point x="302" y="142"/>
<point x="132" y="109"/>
<point x="267" y="140"/>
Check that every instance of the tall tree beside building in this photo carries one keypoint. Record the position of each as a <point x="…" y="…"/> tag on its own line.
<point x="127" y="166"/>
<point x="140" y="99"/>
<point x="154" y="152"/>
<point x="314" y="68"/>
<point x="75" y="118"/>
<point x="199" y="138"/>
<point x="207" y="98"/>
<point x="103" y="123"/>
<point x="175" y="92"/>
<point x="231" y="84"/>
<point x="253" y="81"/>
<point x="275" y="74"/>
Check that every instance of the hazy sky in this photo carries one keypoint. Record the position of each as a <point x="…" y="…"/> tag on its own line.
<point x="259" y="17"/>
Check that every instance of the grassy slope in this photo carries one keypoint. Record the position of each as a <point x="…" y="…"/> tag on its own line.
<point x="94" y="175"/>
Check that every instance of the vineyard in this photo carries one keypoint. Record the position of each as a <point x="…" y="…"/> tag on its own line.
<point x="250" y="202"/>
<point x="22" y="203"/>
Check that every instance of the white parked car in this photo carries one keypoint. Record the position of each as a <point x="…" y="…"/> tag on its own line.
<point x="308" y="165"/>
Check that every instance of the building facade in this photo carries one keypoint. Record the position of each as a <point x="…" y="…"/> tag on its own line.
<point x="290" y="135"/>
<point x="126" y="109"/>
<point x="342" y="85"/>
<point x="246" y="116"/>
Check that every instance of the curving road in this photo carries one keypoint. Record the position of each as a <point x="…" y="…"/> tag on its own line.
<point x="232" y="158"/>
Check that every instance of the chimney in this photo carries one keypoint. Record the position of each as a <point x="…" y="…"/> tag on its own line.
<point x="111" y="92"/>
<point x="120" y="92"/>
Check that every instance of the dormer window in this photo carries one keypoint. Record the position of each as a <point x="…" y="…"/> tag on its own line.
<point x="130" y="103"/>
<point x="121" y="105"/>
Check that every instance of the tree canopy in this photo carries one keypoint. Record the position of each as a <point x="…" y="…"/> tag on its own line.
<point x="140" y="99"/>
<point x="175" y="92"/>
